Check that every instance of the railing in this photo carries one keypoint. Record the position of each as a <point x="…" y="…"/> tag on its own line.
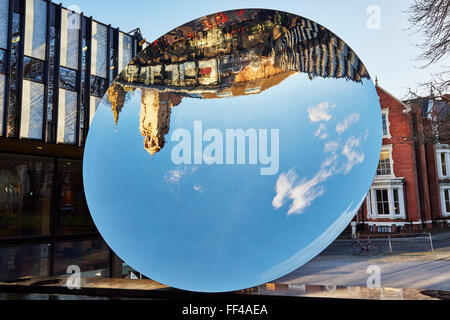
<point x="387" y="243"/>
<point x="404" y="243"/>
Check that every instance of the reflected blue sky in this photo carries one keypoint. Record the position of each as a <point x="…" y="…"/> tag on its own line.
<point x="216" y="228"/>
<point x="209" y="228"/>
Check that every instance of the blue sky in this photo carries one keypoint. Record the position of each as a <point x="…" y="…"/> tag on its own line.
<point x="226" y="227"/>
<point x="388" y="53"/>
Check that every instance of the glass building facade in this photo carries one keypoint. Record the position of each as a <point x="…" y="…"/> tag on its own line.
<point x="55" y="65"/>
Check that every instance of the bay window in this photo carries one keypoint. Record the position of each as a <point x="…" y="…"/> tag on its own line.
<point x="386" y="202"/>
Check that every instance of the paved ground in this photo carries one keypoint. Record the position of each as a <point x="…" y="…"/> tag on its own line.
<point x="417" y="270"/>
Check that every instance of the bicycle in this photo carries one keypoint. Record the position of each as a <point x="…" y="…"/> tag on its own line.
<point x="357" y="247"/>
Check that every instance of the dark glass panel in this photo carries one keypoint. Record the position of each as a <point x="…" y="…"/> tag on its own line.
<point x="73" y="214"/>
<point x="3" y="57"/>
<point x="33" y="69"/>
<point x="24" y="262"/>
<point x="91" y="256"/>
<point x="67" y="79"/>
<point x="98" y="86"/>
<point x="25" y="196"/>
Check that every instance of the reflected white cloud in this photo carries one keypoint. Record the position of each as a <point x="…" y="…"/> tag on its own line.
<point x="354" y="154"/>
<point x="284" y="186"/>
<point x="304" y="192"/>
<point x="321" y="133"/>
<point x="198" y="188"/>
<point x="332" y="146"/>
<point x="347" y="123"/>
<point x="321" y="112"/>
<point x="175" y="176"/>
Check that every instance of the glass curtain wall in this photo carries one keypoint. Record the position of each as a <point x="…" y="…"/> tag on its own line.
<point x="55" y="66"/>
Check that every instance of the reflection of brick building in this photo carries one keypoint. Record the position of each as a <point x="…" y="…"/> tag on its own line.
<point x="409" y="191"/>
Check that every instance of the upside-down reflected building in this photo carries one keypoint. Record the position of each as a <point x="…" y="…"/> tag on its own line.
<point x="231" y="54"/>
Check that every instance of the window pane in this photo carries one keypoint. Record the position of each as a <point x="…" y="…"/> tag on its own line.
<point x="67" y="113"/>
<point x="70" y="35"/>
<point x="384" y="167"/>
<point x="33" y="69"/>
<point x="94" y="105"/>
<point x="385" y="126"/>
<point x="444" y="165"/>
<point x="20" y="262"/>
<point x="73" y="214"/>
<point x="125" y="50"/>
<point x="25" y="194"/>
<point x="208" y="72"/>
<point x="99" y="50"/>
<point x="35" y="28"/>
<point x="2" y="101"/>
<point x="68" y="79"/>
<point x="98" y="86"/>
<point x="92" y="256"/>
<point x="4" y="12"/>
<point x="447" y="199"/>
<point x="32" y="116"/>
<point x="383" y="202"/>
<point x="3" y="57"/>
<point x="396" y="201"/>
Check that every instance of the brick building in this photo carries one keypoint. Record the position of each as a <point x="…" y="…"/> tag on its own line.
<point x="411" y="190"/>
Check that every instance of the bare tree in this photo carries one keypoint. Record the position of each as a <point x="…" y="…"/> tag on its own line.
<point x="432" y="19"/>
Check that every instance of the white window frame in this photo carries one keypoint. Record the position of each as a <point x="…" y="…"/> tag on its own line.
<point x="443" y="150"/>
<point x="443" y="188"/>
<point x="372" y="207"/>
<point x="385" y="112"/>
<point x="386" y="148"/>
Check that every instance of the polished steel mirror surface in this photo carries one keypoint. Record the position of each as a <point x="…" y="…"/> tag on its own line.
<point x="232" y="150"/>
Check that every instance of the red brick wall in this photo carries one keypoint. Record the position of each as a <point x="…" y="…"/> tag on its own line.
<point x="403" y="151"/>
<point x="433" y="181"/>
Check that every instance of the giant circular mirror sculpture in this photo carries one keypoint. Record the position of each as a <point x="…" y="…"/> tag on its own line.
<point x="233" y="150"/>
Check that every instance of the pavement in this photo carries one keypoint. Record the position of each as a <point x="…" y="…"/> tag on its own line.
<point x="404" y="274"/>
<point x="416" y="270"/>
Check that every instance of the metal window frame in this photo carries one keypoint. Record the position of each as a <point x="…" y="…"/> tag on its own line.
<point x="56" y="67"/>
<point x="46" y="73"/>
<point x="79" y="83"/>
<point x="8" y="69"/>
<point x="87" y="78"/>
<point x="16" y="134"/>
